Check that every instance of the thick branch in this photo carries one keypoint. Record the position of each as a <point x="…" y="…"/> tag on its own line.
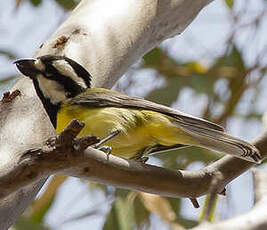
<point x="92" y="164"/>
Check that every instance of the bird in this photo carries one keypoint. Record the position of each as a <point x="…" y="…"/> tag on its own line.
<point x="131" y="127"/>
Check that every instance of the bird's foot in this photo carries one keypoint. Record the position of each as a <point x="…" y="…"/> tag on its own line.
<point x="52" y="142"/>
<point x="110" y="136"/>
<point x="107" y="150"/>
<point x="143" y="159"/>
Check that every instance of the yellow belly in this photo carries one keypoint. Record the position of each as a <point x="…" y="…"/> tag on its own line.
<point x="138" y="128"/>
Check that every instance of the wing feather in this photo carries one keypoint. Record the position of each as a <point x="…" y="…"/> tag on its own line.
<point x="108" y="98"/>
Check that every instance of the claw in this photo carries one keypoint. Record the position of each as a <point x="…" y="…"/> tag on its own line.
<point x="107" y="150"/>
<point x="143" y="159"/>
<point x="52" y="142"/>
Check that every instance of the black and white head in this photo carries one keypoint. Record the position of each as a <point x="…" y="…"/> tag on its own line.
<point x="55" y="78"/>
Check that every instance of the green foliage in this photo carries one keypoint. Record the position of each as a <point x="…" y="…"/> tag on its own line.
<point x="153" y="57"/>
<point x="141" y="214"/>
<point x="171" y="89"/>
<point x="120" y="217"/>
<point x="38" y="216"/>
<point x="24" y="223"/>
<point x="209" y="204"/>
<point x="229" y="3"/>
<point x="66" y="4"/>
<point x="36" y="2"/>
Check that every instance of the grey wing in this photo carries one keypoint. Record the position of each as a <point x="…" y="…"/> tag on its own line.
<point x="163" y="148"/>
<point x="206" y="134"/>
<point x="109" y="98"/>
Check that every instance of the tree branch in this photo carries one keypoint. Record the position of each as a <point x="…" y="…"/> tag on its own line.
<point x="67" y="154"/>
<point x="256" y="219"/>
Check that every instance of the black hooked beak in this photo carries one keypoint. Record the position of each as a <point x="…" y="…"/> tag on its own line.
<point x="27" y="67"/>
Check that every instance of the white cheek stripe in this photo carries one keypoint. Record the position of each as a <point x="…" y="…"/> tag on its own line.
<point x="66" y="69"/>
<point x="51" y="89"/>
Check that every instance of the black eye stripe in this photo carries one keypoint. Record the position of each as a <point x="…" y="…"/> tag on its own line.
<point x="80" y="71"/>
<point x="70" y="86"/>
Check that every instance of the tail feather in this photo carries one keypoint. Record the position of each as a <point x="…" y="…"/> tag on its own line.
<point x="221" y="142"/>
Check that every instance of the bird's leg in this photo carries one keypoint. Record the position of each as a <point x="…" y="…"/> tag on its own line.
<point x="107" y="149"/>
<point x="140" y="157"/>
<point x="110" y="136"/>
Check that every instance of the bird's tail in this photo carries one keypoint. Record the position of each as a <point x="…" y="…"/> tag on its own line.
<point x="221" y="142"/>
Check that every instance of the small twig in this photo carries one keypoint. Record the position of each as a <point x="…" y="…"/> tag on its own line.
<point x="8" y="97"/>
<point x="67" y="140"/>
<point x="194" y="202"/>
<point x="255" y="219"/>
<point x="212" y="197"/>
<point x="57" y="154"/>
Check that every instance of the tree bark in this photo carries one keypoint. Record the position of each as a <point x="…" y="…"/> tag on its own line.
<point x="70" y="156"/>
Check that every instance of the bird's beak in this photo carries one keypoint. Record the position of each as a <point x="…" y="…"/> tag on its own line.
<point x="27" y="67"/>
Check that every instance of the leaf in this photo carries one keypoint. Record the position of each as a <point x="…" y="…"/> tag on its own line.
<point x="66" y="4"/>
<point x="141" y="214"/>
<point x="175" y="204"/>
<point x="167" y="94"/>
<point x="196" y="68"/>
<point x="24" y="223"/>
<point x="43" y="204"/>
<point x="120" y="217"/>
<point x="180" y="159"/>
<point x="98" y="186"/>
<point x="205" y="207"/>
<point x="177" y="76"/>
<point x="153" y="57"/>
<point x="187" y="223"/>
<point x="158" y="205"/>
<point x="229" y="66"/>
<point x="122" y="193"/>
<point x="202" y="84"/>
<point x="229" y="3"/>
<point x="36" y="2"/>
<point x="236" y="80"/>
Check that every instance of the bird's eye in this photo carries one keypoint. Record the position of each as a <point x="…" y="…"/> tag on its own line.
<point x="68" y="94"/>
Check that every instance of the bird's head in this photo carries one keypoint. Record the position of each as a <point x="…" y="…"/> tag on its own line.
<point x="56" y="78"/>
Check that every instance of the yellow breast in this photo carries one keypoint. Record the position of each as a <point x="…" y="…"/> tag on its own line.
<point x="102" y="121"/>
<point x="138" y="128"/>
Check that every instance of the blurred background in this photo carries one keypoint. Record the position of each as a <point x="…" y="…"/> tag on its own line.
<point x="216" y="69"/>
